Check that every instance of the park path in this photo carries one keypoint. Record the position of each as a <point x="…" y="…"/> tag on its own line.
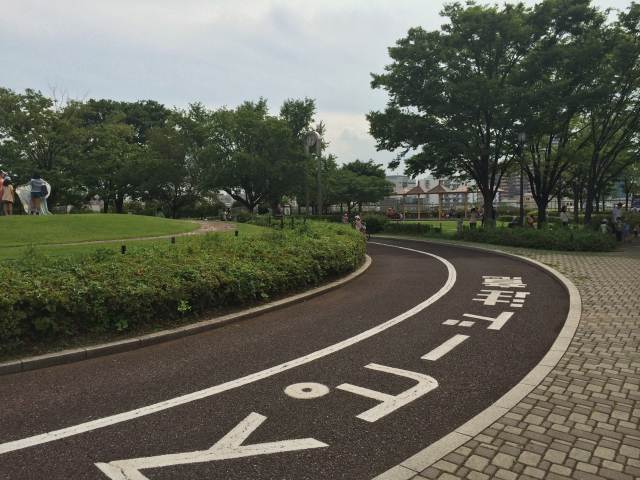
<point x="583" y="421"/>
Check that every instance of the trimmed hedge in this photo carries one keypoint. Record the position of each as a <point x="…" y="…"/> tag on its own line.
<point x="47" y="298"/>
<point x="565" y="239"/>
<point x="581" y="240"/>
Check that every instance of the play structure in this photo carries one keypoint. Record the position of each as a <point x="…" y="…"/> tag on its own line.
<point x="24" y="194"/>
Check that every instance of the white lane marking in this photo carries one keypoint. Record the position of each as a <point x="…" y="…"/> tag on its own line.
<point x="229" y="446"/>
<point x="306" y="390"/>
<point x="239" y="382"/>
<point x="391" y="403"/>
<point x="445" y="348"/>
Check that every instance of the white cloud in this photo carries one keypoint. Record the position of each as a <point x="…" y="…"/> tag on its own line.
<point x="220" y="52"/>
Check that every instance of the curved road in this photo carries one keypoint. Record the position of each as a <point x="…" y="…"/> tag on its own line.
<point x="342" y="386"/>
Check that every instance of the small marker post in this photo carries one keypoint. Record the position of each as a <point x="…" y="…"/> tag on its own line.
<point x="123" y="249"/>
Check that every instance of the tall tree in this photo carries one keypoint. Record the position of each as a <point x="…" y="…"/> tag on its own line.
<point x="613" y="112"/>
<point x="361" y="182"/>
<point x="254" y="157"/>
<point x="556" y="76"/>
<point x="452" y="94"/>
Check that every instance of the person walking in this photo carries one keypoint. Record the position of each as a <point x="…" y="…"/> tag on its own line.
<point x="616" y="213"/>
<point x="564" y="217"/>
<point x="2" y="175"/>
<point x="345" y="218"/>
<point x="8" y="195"/>
<point x="358" y="223"/>
<point x="38" y="192"/>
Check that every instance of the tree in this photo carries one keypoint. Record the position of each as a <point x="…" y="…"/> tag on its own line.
<point x="254" y="157"/>
<point x="631" y="180"/>
<point x="452" y="94"/>
<point x="299" y="115"/>
<point x="361" y="182"/>
<point x="557" y="73"/>
<point x="613" y="112"/>
<point x="36" y="135"/>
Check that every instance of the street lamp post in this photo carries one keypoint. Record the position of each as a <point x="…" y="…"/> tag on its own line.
<point x="313" y="139"/>
<point x="522" y="137"/>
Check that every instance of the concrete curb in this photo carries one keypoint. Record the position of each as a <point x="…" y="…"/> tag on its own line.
<point x="422" y="460"/>
<point x="69" y="356"/>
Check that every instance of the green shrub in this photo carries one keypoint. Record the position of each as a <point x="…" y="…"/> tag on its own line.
<point x="548" y="239"/>
<point x="49" y="298"/>
<point x="375" y="223"/>
<point x="243" y="217"/>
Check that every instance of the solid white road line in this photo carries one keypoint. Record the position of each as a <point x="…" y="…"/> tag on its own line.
<point x="239" y="382"/>
<point x="445" y="348"/>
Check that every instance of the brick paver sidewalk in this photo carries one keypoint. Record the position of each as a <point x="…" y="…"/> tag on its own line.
<point x="582" y="421"/>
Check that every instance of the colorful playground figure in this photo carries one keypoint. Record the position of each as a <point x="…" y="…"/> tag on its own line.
<point x="24" y="194"/>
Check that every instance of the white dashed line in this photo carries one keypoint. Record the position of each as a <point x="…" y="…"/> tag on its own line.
<point x="445" y="348"/>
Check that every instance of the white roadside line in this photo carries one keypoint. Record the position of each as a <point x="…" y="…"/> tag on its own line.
<point x="445" y="348"/>
<point x="412" y="466"/>
<point x="223" y="387"/>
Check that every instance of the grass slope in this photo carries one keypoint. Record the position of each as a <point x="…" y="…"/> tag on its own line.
<point x="77" y="251"/>
<point x="25" y="230"/>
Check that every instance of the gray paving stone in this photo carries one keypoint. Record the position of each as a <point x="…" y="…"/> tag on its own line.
<point x="582" y="421"/>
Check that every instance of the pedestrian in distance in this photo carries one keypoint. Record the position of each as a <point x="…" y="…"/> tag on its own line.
<point x="8" y="195"/>
<point x="357" y="224"/>
<point x="604" y="226"/>
<point x="616" y="213"/>
<point x="363" y="230"/>
<point x="531" y="221"/>
<point x="2" y="175"/>
<point x="345" y="219"/>
<point x="459" y="224"/>
<point x="38" y="193"/>
<point x="564" y="217"/>
<point x="473" y="218"/>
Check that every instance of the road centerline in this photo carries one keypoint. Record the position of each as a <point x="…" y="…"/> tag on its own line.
<point x="211" y="391"/>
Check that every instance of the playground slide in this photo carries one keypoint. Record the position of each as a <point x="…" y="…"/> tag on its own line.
<point x="24" y="194"/>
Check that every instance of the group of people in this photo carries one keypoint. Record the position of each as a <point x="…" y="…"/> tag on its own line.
<point x="37" y="190"/>
<point x="358" y="224"/>
<point x="619" y="225"/>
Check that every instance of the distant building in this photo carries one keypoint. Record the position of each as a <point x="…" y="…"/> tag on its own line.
<point x="401" y="183"/>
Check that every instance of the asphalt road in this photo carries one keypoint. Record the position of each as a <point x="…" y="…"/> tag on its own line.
<point x="331" y="388"/>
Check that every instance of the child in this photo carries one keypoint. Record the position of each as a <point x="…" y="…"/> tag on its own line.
<point x="7" y="196"/>
<point x="604" y="227"/>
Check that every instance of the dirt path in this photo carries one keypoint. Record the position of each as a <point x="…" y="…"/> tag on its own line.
<point x="206" y="226"/>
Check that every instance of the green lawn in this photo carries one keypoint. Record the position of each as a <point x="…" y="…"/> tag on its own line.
<point x="35" y="230"/>
<point x="16" y="251"/>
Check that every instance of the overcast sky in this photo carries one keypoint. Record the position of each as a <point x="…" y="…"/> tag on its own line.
<point x="219" y="52"/>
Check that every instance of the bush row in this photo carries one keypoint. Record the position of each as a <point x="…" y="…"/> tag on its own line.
<point x="47" y="298"/>
<point x="551" y="238"/>
<point x="566" y="239"/>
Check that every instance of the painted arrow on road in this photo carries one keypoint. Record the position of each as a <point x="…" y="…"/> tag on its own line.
<point x="230" y="446"/>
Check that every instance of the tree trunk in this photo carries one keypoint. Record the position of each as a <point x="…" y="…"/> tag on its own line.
<point x="588" y="208"/>
<point x="576" y="205"/>
<point x="119" y="204"/>
<point x="542" y="214"/>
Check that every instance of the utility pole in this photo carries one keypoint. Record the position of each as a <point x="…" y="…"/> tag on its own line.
<point x="313" y="139"/>
<point x="522" y="137"/>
